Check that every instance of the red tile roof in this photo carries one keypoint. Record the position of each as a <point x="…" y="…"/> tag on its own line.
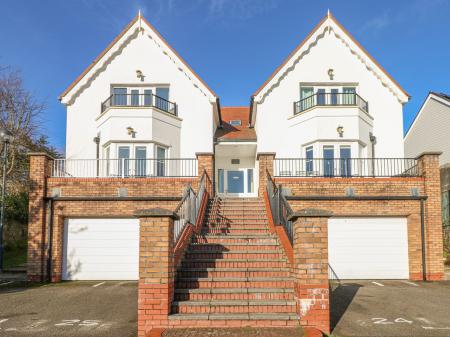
<point x="230" y="132"/>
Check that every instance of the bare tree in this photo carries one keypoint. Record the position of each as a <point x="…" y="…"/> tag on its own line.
<point x="20" y="114"/>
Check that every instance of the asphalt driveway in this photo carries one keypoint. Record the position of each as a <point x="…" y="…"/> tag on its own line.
<point x="359" y="308"/>
<point x="68" y="309"/>
<point x="391" y="308"/>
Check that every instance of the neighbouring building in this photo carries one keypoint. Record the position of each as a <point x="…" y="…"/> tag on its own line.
<point x="429" y="131"/>
<point x="234" y="216"/>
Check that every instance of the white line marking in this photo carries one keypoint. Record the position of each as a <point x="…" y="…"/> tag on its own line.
<point x="98" y="284"/>
<point x="3" y="320"/>
<point x="378" y="284"/>
<point x="4" y="284"/>
<point x="433" y="328"/>
<point x="411" y="283"/>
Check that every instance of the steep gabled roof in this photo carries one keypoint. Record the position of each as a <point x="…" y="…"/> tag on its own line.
<point x="327" y="23"/>
<point x="438" y="97"/>
<point x="140" y="22"/>
<point x="441" y="95"/>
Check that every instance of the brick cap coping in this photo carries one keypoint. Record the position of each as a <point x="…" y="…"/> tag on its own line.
<point x="156" y="213"/>
<point x="45" y="154"/>
<point x="429" y="153"/>
<point x="272" y="154"/>
<point x="310" y="213"/>
<point x="204" y="154"/>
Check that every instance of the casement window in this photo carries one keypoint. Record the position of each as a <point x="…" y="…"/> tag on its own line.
<point x="141" y="96"/>
<point x="120" y="96"/>
<point x="140" y="155"/>
<point x="345" y="160"/>
<point x="124" y="160"/>
<point x="349" y="96"/>
<point x="306" y="97"/>
<point x="309" y="155"/>
<point x="328" y="160"/>
<point x="162" y="98"/>
<point x="161" y="161"/>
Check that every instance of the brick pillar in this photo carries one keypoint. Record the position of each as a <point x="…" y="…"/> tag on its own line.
<point x="265" y="164"/>
<point x="429" y="169"/>
<point x="39" y="171"/>
<point x="206" y="163"/>
<point x="156" y="269"/>
<point x="311" y="268"/>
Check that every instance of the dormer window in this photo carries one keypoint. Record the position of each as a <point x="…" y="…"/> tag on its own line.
<point x="236" y="122"/>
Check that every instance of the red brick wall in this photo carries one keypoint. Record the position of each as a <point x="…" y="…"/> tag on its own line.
<point x="156" y="272"/>
<point x="428" y="186"/>
<point x="265" y="162"/>
<point x="311" y="271"/>
<point x="41" y="186"/>
<point x="92" y="209"/>
<point x="429" y="166"/>
<point x="39" y="171"/>
<point x="137" y="187"/>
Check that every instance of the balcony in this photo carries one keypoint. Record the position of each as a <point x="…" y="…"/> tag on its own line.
<point x="140" y="101"/>
<point x="335" y="99"/>
<point x="124" y="168"/>
<point x="346" y="167"/>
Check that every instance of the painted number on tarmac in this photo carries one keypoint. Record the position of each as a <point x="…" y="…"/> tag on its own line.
<point x="77" y="322"/>
<point x="380" y="320"/>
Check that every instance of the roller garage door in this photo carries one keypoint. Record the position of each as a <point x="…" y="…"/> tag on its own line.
<point x="101" y="249"/>
<point x="368" y="248"/>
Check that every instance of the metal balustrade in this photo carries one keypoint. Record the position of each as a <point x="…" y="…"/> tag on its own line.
<point x="331" y="99"/>
<point x="346" y="167"/>
<point x="140" y="100"/>
<point x="124" y="168"/>
<point x="279" y="207"/>
<point x="188" y="210"/>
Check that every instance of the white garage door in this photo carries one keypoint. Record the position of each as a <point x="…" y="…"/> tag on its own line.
<point x="101" y="249"/>
<point x="368" y="248"/>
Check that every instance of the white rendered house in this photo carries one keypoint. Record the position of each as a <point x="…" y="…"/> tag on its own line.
<point x="140" y="110"/>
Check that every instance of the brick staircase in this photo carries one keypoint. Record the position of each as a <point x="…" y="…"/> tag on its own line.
<point x="234" y="273"/>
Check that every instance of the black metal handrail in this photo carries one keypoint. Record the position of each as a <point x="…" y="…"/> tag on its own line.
<point x="280" y="208"/>
<point x="346" y="167"/>
<point x="331" y="99"/>
<point x="140" y="100"/>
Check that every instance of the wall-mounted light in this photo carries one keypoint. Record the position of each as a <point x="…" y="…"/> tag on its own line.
<point x="131" y="132"/>
<point x="140" y="75"/>
<point x="331" y="73"/>
<point x="340" y="131"/>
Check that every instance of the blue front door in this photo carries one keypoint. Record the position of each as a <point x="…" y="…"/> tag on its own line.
<point x="235" y="181"/>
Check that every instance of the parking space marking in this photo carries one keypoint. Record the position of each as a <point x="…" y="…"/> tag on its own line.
<point x="378" y="284"/>
<point x="411" y="283"/>
<point x="98" y="284"/>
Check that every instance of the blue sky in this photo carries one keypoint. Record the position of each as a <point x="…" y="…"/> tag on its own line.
<point x="234" y="45"/>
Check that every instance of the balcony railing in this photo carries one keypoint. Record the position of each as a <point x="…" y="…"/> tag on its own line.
<point x="123" y="168"/>
<point x="331" y="99"/>
<point x="188" y="210"/>
<point x="140" y="100"/>
<point x="340" y="167"/>
<point x="280" y="208"/>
